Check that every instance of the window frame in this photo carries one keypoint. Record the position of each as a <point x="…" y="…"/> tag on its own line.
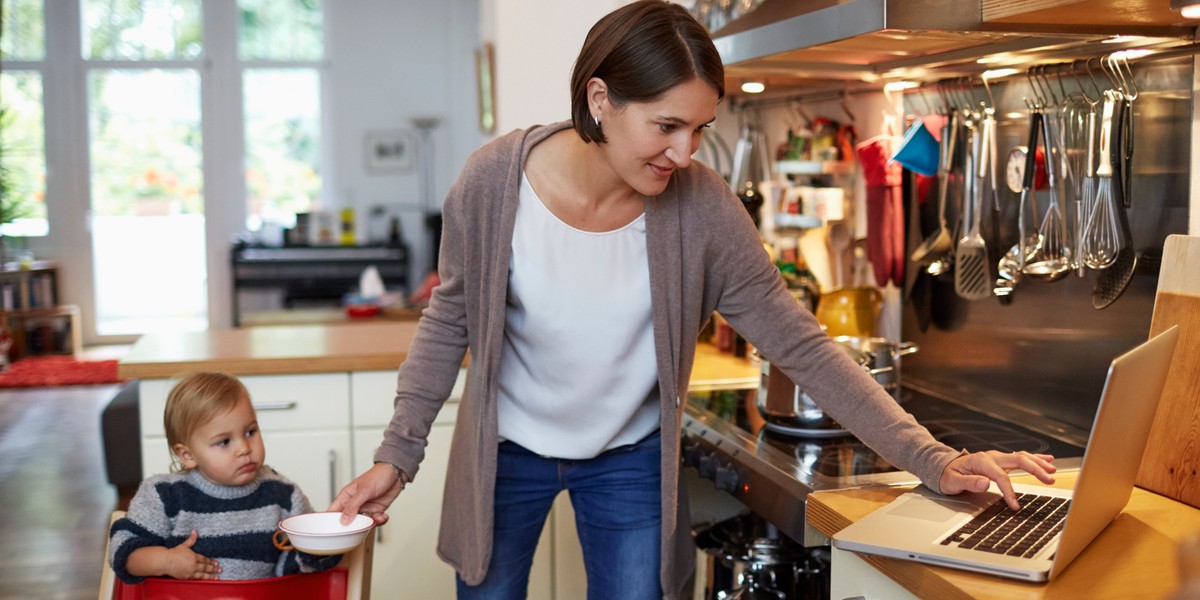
<point x="67" y="141"/>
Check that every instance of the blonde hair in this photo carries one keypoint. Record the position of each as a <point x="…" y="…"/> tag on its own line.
<point x="195" y="400"/>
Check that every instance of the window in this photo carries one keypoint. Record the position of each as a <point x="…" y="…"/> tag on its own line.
<point x="22" y="133"/>
<point x="145" y="152"/>
<point x="182" y="97"/>
<point x="281" y="46"/>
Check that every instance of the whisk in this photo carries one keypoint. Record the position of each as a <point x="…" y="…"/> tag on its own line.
<point x="1102" y="234"/>
<point x="1087" y="189"/>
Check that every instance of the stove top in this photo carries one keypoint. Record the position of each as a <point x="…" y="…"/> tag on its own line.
<point x="836" y="453"/>
<point x="772" y="472"/>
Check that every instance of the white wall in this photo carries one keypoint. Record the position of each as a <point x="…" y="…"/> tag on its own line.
<point x="390" y="62"/>
<point x="536" y="42"/>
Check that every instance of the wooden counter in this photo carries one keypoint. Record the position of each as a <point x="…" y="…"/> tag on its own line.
<point x="271" y="350"/>
<point x="379" y="346"/>
<point x="1135" y="557"/>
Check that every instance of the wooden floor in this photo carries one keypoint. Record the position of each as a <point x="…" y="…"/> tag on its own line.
<point x="55" y="500"/>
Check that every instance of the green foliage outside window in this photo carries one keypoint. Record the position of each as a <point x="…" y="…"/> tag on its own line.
<point x="22" y="158"/>
<point x="22" y="30"/>
<point x="281" y="30"/>
<point x="143" y="29"/>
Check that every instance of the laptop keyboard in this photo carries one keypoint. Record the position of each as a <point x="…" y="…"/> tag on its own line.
<point x="1000" y="530"/>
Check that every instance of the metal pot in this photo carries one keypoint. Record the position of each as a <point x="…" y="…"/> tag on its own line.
<point x="884" y="358"/>
<point x="784" y="404"/>
<point x="749" y="560"/>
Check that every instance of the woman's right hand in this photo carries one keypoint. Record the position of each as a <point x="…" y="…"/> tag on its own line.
<point x="369" y="494"/>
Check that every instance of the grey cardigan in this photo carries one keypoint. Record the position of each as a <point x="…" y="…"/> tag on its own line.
<point x="705" y="255"/>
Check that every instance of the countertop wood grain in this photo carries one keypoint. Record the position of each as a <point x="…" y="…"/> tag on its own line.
<point x="271" y="350"/>
<point x="377" y="346"/>
<point x="1134" y="557"/>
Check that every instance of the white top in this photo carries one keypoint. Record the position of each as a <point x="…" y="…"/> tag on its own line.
<point x="577" y="376"/>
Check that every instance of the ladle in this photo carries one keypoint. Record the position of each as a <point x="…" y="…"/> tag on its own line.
<point x="1052" y="257"/>
<point x="940" y="242"/>
<point x="1029" y="240"/>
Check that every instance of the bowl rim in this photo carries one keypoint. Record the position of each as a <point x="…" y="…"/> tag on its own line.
<point x="368" y="525"/>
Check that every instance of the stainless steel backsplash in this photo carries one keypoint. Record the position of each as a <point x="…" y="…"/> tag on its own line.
<point x="1043" y="358"/>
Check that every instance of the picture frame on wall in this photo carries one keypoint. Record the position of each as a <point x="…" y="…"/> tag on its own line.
<point x="390" y="150"/>
<point x="485" y="72"/>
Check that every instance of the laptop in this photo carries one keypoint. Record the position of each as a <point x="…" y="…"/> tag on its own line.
<point x="955" y="531"/>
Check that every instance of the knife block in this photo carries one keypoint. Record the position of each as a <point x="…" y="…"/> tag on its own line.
<point x="1171" y="464"/>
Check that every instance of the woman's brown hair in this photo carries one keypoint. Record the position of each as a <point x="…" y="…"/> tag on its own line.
<point x="641" y="50"/>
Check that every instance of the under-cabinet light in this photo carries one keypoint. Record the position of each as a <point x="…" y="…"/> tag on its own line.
<point x="1190" y="9"/>
<point x="753" y="87"/>
<point x="998" y="73"/>
<point x="1130" y="54"/>
<point x="897" y="86"/>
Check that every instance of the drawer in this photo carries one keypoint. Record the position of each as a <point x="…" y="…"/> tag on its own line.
<point x="373" y="393"/>
<point x="283" y="402"/>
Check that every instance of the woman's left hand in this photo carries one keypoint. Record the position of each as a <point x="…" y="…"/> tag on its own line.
<point x="974" y="472"/>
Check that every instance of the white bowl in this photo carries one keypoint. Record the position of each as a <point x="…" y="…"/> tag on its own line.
<point x="323" y="532"/>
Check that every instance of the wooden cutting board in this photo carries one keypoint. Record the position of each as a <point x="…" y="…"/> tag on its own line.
<point x="1171" y="465"/>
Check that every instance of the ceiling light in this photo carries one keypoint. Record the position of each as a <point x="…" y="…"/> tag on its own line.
<point x="1190" y="9"/>
<point x="753" y="87"/>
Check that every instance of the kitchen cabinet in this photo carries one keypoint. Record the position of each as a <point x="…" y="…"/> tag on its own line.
<point x="406" y="548"/>
<point x="305" y="420"/>
<point x="854" y="578"/>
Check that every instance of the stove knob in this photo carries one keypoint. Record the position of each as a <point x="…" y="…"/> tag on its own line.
<point x="691" y="452"/>
<point x="726" y="479"/>
<point x="708" y="465"/>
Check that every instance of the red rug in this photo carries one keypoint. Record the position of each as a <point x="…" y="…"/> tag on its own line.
<point x="39" y="371"/>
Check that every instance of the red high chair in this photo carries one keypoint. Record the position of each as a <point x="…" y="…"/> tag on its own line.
<point x="351" y="580"/>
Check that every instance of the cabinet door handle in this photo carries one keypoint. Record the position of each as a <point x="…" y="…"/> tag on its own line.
<point x="332" y="475"/>
<point x="275" y="406"/>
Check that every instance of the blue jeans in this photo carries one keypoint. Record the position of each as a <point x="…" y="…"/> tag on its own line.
<point x="618" y="513"/>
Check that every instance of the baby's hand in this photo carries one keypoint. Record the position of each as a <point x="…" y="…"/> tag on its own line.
<point x="183" y="563"/>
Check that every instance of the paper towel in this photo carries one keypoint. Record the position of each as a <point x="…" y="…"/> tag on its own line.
<point x="370" y="284"/>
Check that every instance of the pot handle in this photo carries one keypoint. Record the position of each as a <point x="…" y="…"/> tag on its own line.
<point x="905" y="348"/>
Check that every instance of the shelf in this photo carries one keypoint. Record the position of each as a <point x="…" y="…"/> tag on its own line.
<point x="784" y="221"/>
<point x="44" y="330"/>
<point x="814" y="167"/>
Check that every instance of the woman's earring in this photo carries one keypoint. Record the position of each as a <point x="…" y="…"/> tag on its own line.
<point x="596" y="120"/>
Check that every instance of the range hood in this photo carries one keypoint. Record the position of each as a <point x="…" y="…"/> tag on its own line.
<point x="813" y="42"/>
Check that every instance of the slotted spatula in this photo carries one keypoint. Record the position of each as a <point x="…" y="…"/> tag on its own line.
<point x="971" y="279"/>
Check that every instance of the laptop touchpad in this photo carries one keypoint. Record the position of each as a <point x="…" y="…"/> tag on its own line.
<point x="929" y="509"/>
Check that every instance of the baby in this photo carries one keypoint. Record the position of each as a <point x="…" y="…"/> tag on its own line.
<point x="214" y="515"/>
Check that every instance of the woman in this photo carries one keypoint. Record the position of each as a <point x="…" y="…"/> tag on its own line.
<point x="579" y="262"/>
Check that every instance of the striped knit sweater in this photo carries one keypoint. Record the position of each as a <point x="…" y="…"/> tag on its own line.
<point x="235" y="524"/>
